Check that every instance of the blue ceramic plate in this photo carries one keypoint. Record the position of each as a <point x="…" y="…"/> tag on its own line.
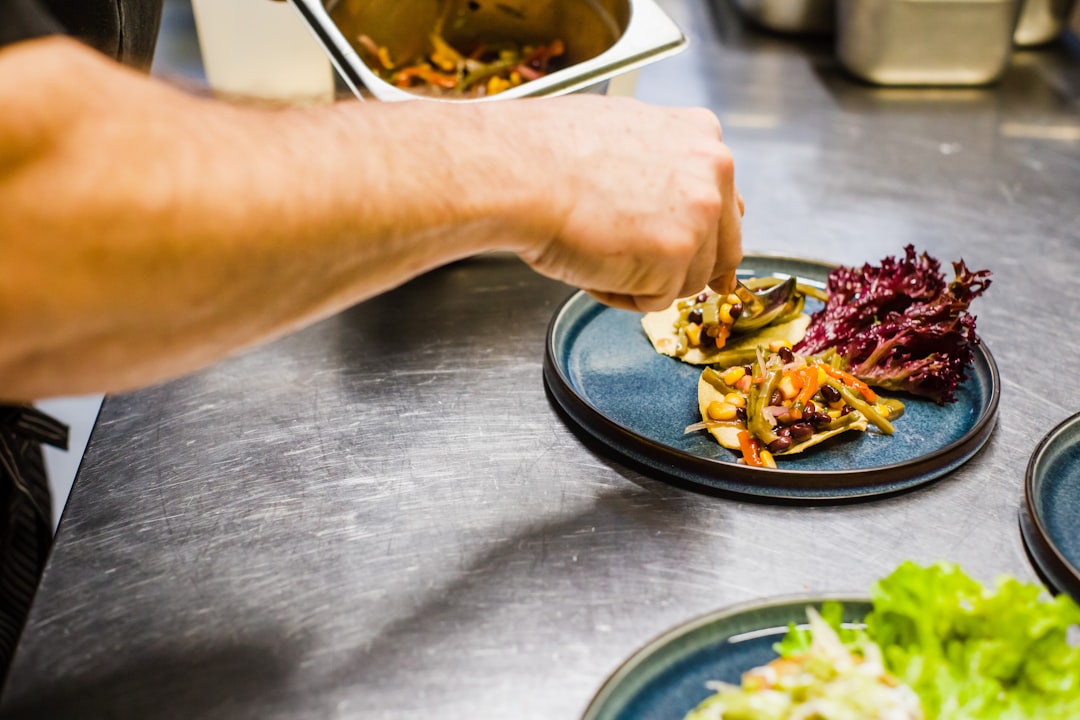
<point x="1051" y="519"/>
<point x="603" y="373"/>
<point x="667" y="678"/>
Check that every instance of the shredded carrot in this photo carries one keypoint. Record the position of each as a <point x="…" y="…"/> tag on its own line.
<point x="749" y="448"/>
<point x="810" y="386"/>
<point x="851" y="381"/>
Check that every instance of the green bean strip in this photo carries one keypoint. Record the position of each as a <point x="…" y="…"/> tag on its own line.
<point x="854" y="400"/>
<point x="756" y="422"/>
<point x="794" y="312"/>
<point x="713" y="378"/>
<point x="842" y="422"/>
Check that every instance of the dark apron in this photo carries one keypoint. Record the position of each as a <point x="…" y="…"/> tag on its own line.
<point x="125" y="30"/>
<point x="25" y="514"/>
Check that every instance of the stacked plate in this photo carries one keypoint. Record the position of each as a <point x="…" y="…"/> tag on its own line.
<point x="1050" y="518"/>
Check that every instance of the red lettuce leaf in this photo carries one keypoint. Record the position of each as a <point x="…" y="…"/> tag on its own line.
<point x="899" y="325"/>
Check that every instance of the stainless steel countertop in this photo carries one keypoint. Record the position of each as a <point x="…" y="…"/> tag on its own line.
<point x="383" y="516"/>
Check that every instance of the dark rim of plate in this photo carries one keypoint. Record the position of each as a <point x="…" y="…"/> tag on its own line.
<point x="650" y="648"/>
<point x="768" y="484"/>
<point x="1041" y="546"/>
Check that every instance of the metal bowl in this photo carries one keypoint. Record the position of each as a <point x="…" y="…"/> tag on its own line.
<point x="926" y="42"/>
<point x="603" y="38"/>
<point x="1041" y="21"/>
<point x="792" y="16"/>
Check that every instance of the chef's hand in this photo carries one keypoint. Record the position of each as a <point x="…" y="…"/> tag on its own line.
<point x="643" y="199"/>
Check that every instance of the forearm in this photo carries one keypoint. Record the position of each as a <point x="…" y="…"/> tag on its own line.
<point x="145" y="233"/>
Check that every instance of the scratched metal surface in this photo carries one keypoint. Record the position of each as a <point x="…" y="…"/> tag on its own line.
<point x="382" y="516"/>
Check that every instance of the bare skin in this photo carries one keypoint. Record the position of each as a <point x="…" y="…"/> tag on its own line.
<point x="145" y="233"/>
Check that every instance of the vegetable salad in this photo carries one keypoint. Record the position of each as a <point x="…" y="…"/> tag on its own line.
<point x="967" y="652"/>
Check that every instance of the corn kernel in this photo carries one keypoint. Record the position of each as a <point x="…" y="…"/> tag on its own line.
<point x="735" y="399"/>
<point x="725" y="314"/>
<point x="733" y="374"/>
<point x="822" y="376"/>
<point x="496" y="85"/>
<point x="835" y="412"/>
<point x="384" y="59"/>
<point x="767" y="459"/>
<point x="721" y="410"/>
<point x="693" y="334"/>
<point x="732" y="299"/>
<point x="787" y="387"/>
<point x="775" y="345"/>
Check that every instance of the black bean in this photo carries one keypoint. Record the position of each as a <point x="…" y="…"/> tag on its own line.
<point x="847" y="409"/>
<point x="736" y="311"/>
<point x="776" y="398"/>
<point x="786" y="356"/>
<point x="820" y="419"/>
<point x="830" y="393"/>
<point x="695" y="316"/>
<point x="780" y="444"/>
<point x="783" y="432"/>
<point x="749" y="370"/>
<point x="740" y="414"/>
<point x="809" y="409"/>
<point x="702" y="297"/>
<point x="801" y="431"/>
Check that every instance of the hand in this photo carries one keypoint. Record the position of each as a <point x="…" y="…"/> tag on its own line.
<point x="643" y="200"/>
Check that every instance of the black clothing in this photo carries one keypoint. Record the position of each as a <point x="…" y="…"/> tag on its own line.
<point x="122" y="29"/>
<point x="25" y="515"/>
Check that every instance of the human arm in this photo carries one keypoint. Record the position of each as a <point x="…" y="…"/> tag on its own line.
<point x="145" y="232"/>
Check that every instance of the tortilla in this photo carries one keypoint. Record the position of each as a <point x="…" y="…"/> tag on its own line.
<point x="660" y="328"/>
<point x="728" y="434"/>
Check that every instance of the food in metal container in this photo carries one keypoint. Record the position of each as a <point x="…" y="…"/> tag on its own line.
<point x="487" y="66"/>
<point x="478" y="71"/>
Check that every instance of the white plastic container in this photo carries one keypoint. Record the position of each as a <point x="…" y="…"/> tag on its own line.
<point x="261" y="49"/>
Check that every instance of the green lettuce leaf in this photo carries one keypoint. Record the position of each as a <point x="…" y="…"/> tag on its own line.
<point x="969" y="652"/>
<point x="975" y="653"/>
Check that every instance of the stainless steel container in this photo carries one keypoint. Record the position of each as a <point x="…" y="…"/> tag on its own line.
<point x="926" y="42"/>
<point x="603" y="38"/>
<point x="1041" y="21"/>
<point x="792" y="16"/>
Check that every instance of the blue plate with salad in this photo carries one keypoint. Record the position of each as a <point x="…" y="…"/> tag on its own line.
<point x="882" y="323"/>
<point x="1050" y="518"/>
<point x="929" y="642"/>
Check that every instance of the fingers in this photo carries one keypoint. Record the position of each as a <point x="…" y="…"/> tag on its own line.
<point x="634" y="303"/>
<point x="729" y="241"/>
